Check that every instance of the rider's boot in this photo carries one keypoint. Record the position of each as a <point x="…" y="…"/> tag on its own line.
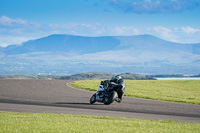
<point x="118" y="100"/>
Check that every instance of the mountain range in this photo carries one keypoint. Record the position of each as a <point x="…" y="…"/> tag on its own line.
<point x="69" y="54"/>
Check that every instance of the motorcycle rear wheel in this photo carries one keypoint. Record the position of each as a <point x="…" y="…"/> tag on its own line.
<point x="111" y="98"/>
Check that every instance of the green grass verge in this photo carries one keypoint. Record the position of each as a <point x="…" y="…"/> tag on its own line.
<point x="55" y="123"/>
<point x="184" y="91"/>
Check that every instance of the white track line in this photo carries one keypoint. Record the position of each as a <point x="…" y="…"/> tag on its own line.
<point x="67" y="84"/>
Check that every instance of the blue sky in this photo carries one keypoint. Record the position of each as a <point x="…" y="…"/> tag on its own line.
<point x="172" y="20"/>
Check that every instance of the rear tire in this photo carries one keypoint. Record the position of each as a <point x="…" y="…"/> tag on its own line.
<point x="93" y="99"/>
<point x="111" y="98"/>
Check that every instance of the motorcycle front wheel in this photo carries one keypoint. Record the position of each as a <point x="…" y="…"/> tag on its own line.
<point x="93" y="99"/>
<point x="108" y="100"/>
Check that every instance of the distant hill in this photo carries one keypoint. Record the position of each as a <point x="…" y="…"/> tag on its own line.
<point x="64" y="43"/>
<point x="80" y="76"/>
<point x="97" y="75"/>
<point x="139" y="48"/>
<point x="68" y="54"/>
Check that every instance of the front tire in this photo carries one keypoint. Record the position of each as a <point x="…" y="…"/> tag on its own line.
<point x="93" y="99"/>
<point x="111" y="98"/>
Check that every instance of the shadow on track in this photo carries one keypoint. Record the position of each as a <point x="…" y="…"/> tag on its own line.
<point x="62" y="103"/>
<point x="73" y="103"/>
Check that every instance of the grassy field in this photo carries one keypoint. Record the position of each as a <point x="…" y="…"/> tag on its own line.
<point x="184" y="91"/>
<point x="55" y="123"/>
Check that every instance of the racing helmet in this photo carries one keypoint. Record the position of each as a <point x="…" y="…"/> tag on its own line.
<point x="116" y="78"/>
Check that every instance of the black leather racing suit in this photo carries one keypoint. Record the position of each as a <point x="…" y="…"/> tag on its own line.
<point x="118" y="86"/>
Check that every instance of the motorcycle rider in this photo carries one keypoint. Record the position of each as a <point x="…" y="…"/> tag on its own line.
<point x="118" y="85"/>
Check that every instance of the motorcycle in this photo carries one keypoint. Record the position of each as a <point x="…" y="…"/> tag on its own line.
<point x="103" y="95"/>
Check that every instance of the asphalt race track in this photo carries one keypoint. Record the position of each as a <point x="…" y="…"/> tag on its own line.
<point x="55" y="96"/>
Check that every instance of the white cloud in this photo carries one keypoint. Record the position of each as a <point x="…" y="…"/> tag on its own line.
<point x="14" y="23"/>
<point x="4" y="20"/>
<point x="78" y="29"/>
<point x="189" y="30"/>
<point x="16" y="31"/>
<point x="177" y="34"/>
<point x="123" y="30"/>
<point x="5" y="41"/>
<point x="165" y="32"/>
